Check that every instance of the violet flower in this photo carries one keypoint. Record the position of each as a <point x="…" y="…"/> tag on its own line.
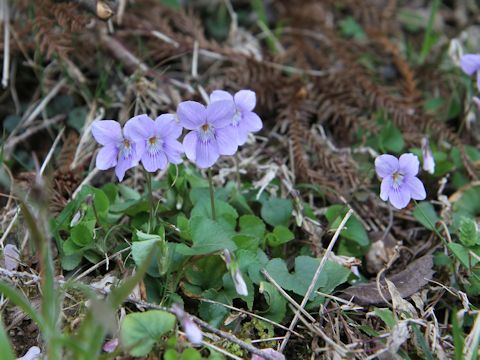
<point x="399" y="181"/>
<point x="211" y="135"/>
<point x="428" y="160"/>
<point x="159" y="139"/>
<point x="244" y="121"/>
<point x="192" y="331"/>
<point x="470" y="64"/>
<point x="119" y="150"/>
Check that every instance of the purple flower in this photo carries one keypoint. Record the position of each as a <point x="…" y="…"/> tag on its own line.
<point x="244" y="121"/>
<point x="119" y="150"/>
<point x="399" y="181"/>
<point x="470" y="64"/>
<point x="159" y="139"/>
<point x="211" y="135"/>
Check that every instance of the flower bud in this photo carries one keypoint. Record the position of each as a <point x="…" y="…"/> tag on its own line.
<point x="428" y="160"/>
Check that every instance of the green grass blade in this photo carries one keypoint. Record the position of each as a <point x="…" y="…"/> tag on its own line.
<point x="430" y="38"/>
<point x="5" y="346"/>
<point x="22" y="302"/>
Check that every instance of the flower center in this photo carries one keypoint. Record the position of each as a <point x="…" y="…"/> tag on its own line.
<point x="236" y="118"/>
<point x="154" y="145"/>
<point x="125" y="149"/>
<point x="206" y="133"/>
<point x="397" y="179"/>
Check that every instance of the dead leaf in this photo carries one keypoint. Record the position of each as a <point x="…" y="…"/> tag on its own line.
<point x="407" y="282"/>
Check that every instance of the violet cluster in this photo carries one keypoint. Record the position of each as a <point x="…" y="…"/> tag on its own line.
<point x="214" y="130"/>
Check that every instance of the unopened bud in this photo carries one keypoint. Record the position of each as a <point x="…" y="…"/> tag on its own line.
<point x="428" y="160"/>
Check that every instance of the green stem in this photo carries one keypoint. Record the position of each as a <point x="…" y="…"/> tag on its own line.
<point x="212" y="196"/>
<point x="150" y="200"/>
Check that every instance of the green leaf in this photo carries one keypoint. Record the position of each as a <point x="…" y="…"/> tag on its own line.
<point x="277" y="305"/>
<point x="425" y="214"/>
<point x="252" y="225"/>
<point x="277" y="211"/>
<point x="353" y="231"/>
<point x="279" y="236"/>
<point x="468" y="232"/>
<point x="461" y="253"/>
<point x="222" y="211"/>
<point x="70" y="262"/>
<point x="5" y="346"/>
<point x="191" y="354"/>
<point x="246" y="242"/>
<point x="207" y="236"/>
<point x="140" y="331"/>
<point x="391" y="139"/>
<point x="332" y="275"/>
<point x="214" y="266"/>
<point x="82" y="234"/>
<point x="214" y="313"/>
<point x="386" y="315"/>
<point x="349" y="27"/>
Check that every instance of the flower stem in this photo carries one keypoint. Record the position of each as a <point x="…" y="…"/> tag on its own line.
<point x="150" y="200"/>
<point x="212" y="196"/>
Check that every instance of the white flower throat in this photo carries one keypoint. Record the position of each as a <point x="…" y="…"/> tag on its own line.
<point x="125" y="149"/>
<point x="397" y="179"/>
<point x="206" y="132"/>
<point x="154" y="144"/>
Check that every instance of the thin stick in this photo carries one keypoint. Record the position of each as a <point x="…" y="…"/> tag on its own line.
<point x="315" y="277"/>
<point x="51" y="151"/>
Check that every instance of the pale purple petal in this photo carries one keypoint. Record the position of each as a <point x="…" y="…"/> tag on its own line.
<point x="240" y="285"/>
<point x="386" y="165"/>
<point x="33" y="353"/>
<point x="190" y="145"/>
<point x="415" y="186"/>
<point x="107" y="132"/>
<point x="220" y="113"/>
<point x="110" y="345"/>
<point x="470" y="63"/>
<point x="174" y="150"/>
<point x="219" y="95"/>
<point x="125" y="163"/>
<point x="166" y="126"/>
<point x="386" y="187"/>
<point x="226" y="138"/>
<point x="139" y="128"/>
<point x="107" y="157"/>
<point x="400" y="197"/>
<point x="206" y="153"/>
<point x="153" y="162"/>
<point x="409" y="164"/>
<point x="193" y="332"/>
<point x="245" y="100"/>
<point x="251" y="121"/>
<point x="191" y="114"/>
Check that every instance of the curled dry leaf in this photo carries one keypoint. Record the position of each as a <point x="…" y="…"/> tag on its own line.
<point x="407" y="282"/>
